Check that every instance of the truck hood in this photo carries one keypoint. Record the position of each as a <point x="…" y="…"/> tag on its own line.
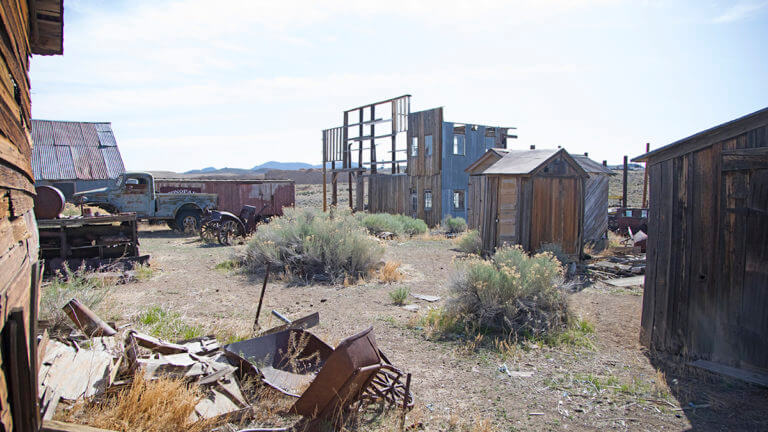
<point x="92" y="191"/>
<point x="90" y="195"/>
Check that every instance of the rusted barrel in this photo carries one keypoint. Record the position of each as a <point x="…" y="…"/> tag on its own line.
<point x="49" y="202"/>
<point x="86" y="320"/>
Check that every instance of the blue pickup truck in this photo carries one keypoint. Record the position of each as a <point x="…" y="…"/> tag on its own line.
<point x="135" y="192"/>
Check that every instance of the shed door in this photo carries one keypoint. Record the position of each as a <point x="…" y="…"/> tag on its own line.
<point x="745" y="177"/>
<point x="555" y="213"/>
<point x="508" y="198"/>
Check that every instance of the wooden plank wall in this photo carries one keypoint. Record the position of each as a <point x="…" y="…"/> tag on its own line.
<point x="475" y="199"/>
<point x="705" y="292"/>
<point x="389" y="193"/>
<point x="18" y="230"/>
<point x="424" y="171"/>
<point x="596" y="207"/>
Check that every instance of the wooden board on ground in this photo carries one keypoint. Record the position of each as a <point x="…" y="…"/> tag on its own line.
<point x="739" y="374"/>
<point x="627" y="281"/>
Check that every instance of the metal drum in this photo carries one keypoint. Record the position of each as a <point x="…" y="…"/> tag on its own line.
<point x="49" y="202"/>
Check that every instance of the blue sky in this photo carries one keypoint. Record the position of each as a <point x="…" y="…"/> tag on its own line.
<point x="188" y="85"/>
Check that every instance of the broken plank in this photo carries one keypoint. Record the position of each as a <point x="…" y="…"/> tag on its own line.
<point x="57" y="426"/>
<point x="426" y="297"/>
<point x="627" y="281"/>
<point x="751" y="377"/>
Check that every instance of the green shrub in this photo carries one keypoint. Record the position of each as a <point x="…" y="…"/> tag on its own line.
<point x="399" y="295"/>
<point x="400" y="225"/>
<point x="454" y="225"/>
<point x="511" y="292"/>
<point x="311" y="245"/>
<point x="470" y="243"/>
<point x="166" y="324"/>
<point x="87" y="288"/>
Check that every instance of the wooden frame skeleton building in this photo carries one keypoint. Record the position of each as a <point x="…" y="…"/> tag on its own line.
<point x="422" y="172"/>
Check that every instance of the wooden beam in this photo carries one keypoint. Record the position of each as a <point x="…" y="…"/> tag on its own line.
<point x="57" y="426"/>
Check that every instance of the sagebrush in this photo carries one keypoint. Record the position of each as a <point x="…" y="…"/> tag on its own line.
<point x="309" y="245"/>
<point x="511" y="292"/>
<point x="454" y="225"/>
<point x="470" y="243"/>
<point x="400" y="225"/>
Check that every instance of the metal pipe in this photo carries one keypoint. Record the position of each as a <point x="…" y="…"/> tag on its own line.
<point x="645" y="178"/>
<point x="281" y="317"/>
<point x="624" y="183"/>
<point x="261" y="297"/>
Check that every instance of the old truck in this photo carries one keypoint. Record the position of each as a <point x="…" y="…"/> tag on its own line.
<point x="135" y="192"/>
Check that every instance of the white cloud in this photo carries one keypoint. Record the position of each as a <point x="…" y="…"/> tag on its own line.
<point x="740" y="11"/>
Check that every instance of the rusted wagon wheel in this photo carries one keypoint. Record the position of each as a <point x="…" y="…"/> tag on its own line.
<point x="228" y="231"/>
<point x="209" y="231"/>
<point x="388" y="386"/>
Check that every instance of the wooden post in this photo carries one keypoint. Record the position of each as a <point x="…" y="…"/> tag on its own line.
<point x="325" y="179"/>
<point x="373" y="140"/>
<point x="334" y="185"/>
<point x="394" y="136"/>
<point x="624" y="184"/>
<point x="645" y="178"/>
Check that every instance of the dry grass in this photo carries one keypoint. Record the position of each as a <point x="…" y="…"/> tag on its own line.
<point x="390" y="272"/>
<point x="161" y="405"/>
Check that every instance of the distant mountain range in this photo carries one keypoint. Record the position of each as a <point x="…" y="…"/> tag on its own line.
<point x="260" y="169"/>
<point x="271" y="165"/>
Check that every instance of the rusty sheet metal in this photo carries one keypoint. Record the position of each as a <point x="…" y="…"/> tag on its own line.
<point x="234" y="194"/>
<point x="343" y="378"/>
<point x="74" y="151"/>
<point x="287" y="360"/>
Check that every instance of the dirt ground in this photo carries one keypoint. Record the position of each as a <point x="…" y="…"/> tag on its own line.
<point x="613" y="385"/>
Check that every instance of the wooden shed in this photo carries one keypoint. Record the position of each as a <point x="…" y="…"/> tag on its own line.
<point x="28" y="27"/>
<point x="528" y="197"/>
<point x="706" y="285"/>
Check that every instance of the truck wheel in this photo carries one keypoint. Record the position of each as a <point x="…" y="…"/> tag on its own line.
<point x="188" y="221"/>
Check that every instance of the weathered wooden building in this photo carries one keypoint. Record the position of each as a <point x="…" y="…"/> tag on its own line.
<point x="28" y="27"/>
<point x="75" y="156"/>
<point x="595" y="232"/>
<point x="706" y="285"/>
<point x="424" y="173"/>
<point x="528" y="197"/>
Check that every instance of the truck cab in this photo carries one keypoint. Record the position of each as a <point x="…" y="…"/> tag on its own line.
<point x="135" y="192"/>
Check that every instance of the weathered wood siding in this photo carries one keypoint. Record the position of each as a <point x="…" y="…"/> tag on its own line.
<point x="706" y="286"/>
<point x="424" y="170"/>
<point x="19" y="272"/>
<point x="389" y="193"/>
<point x="596" y="208"/>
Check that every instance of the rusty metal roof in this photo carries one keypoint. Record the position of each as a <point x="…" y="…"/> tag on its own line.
<point x="65" y="150"/>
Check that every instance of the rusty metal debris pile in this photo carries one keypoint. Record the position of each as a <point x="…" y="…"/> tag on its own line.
<point x="326" y="383"/>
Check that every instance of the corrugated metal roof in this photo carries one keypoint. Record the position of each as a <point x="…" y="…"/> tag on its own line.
<point x="66" y="150"/>
<point x="590" y="165"/>
<point x="520" y="161"/>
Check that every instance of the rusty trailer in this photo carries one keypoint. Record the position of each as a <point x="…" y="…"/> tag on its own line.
<point x="92" y="242"/>
<point x="271" y="195"/>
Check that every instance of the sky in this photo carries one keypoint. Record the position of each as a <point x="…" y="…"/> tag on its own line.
<point x="192" y="83"/>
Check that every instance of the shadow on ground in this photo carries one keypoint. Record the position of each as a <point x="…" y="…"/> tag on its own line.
<point x="712" y="402"/>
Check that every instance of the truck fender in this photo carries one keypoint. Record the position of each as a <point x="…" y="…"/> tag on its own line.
<point x="186" y="206"/>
